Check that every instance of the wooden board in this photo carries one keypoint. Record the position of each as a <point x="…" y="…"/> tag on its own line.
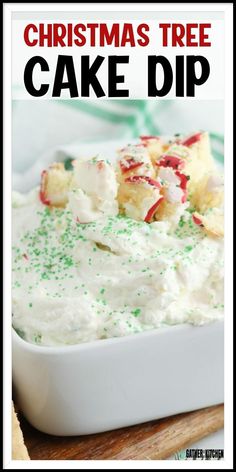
<point x="153" y="440"/>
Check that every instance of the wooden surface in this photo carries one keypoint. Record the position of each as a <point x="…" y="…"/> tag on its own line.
<point x="153" y="440"/>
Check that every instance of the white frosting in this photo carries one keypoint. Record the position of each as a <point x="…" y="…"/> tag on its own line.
<point x="97" y="192"/>
<point x="168" y="175"/>
<point x="76" y="282"/>
<point x="96" y="177"/>
<point x="172" y="192"/>
<point x="215" y="183"/>
<point x="21" y="199"/>
<point x="138" y="153"/>
<point x="140" y="212"/>
<point x="179" y="150"/>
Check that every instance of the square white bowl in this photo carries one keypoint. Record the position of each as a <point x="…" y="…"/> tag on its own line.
<point x="108" y="384"/>
<point x="112" y="383"/>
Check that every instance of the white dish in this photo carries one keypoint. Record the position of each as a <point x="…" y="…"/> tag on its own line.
<point x="112" y="383"/>
<point x="108" y="384"/>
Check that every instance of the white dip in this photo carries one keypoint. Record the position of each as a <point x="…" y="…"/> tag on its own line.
<point x="115" y="276"/>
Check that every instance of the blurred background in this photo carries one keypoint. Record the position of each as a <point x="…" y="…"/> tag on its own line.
<point x="41" y="125"/>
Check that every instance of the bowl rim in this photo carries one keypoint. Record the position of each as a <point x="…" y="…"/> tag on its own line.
<point x="102" y="343"/>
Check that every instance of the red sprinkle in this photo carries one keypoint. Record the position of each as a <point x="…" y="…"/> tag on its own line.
<point x="183" y="179"/>
<point x="194" y="138"/>
<point x="152" y="210"/>
<point x="100" y="165"/>
<point x="183" y="185"/>
<point x="197" y="220"/>
<point x="42" y="195"/>
<point x="184" y="197"/>
<point x="147" y="138"/>
<point x="136" y="179"/>
<point x="132" y="164"/>
<point x="43" y="198"/>
<point x="25" y="256"/>
<point x="171" y="161"/>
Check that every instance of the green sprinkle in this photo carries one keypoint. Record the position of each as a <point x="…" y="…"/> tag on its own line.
<point x="30" y="305"/>
<point x="45" y="276"/>
<point x="102" y="290"/>
<point x="188" y="248"/>
<point x="68" y="261"/>
<point x="47" y="211"/>
<point x="136" y="312"/>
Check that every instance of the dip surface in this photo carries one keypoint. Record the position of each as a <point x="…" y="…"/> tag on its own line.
<point x="75" y="282"/>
